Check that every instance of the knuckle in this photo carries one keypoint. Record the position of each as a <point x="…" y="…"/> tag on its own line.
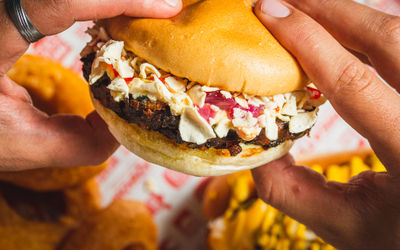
<point x="60" y="10"/>
<point x="363" y="187"/>
<point x="307" y="37"/>
<point x="271" y="194"/>
<point x="391" y="30"/>
<point x="326" y="3"/>
<point x="355" y="78"/>
<point x="265" y="193"/>
<point x="55" y="6"/>
<point x="365" y="178"/>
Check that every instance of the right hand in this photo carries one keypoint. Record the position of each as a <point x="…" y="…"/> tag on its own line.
<point x="365" y="212"/>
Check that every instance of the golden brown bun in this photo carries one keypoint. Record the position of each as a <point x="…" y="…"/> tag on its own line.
<point x="32" y="220"/>
<point x="156" y="148"/>
<point x="54" y="89"/>
<point x="213" y="42"/>
<point x="123" y="225"/>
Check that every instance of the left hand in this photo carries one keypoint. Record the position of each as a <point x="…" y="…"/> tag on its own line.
<point x="28" y="137"/>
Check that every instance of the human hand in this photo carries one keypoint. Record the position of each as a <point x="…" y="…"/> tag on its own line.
<point x="365" y="212"/>
<point x="28" y="137"/>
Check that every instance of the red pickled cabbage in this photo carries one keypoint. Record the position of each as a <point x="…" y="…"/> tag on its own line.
<point x="229" y="104"/>
<point x="207" y="112"/>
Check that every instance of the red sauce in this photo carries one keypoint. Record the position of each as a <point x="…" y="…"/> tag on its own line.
<point x="315" y="93"/>
<point x="162" y="78"/>
<point x="116" y="74"/>
<point x="129" y="79"/>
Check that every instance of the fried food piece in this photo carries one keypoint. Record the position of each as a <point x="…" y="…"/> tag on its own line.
<point x="123" y="225"/>
<point x="32" y="220"/>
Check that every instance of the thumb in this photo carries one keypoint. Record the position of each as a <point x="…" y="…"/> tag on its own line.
<point x="52" y="17"/>
<point x="306" y="196"/>
<point x="78" y="141"/>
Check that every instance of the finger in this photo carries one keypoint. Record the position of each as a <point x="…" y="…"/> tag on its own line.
<point x="73" y="140"/>
<point x="54" y="16"/>
<point x="32" y="139"/>
<point x="10" y="88"/>
<point x="304" y="195"/>
<point x="366" y="103"/>
<point x="360" y="28"/>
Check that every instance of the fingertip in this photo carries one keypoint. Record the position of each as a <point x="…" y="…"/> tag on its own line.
<point x="172" y="8"/>
<point x="257" y="8"/>
<point x="155" y="9"/>
<point x="95" y="120"/>
<point x="76" y="141"/>
<point x="258" y="12"/>
<point x="268" y="10"/>
<point x="286" y="160"/>
<point x="269" y="178"/>
<point x="102" y="131"/>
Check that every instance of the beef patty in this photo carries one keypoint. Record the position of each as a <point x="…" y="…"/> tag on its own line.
<point x="157" y="116"/>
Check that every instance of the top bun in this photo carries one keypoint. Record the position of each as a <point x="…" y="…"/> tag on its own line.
<point x="216" y="43"/>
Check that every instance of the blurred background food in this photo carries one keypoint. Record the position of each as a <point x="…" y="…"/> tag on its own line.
<point x="60" y="208"/>
<point x="40" y="220"/>
<point x="238" y="219"/>
<point x="124" y="225"/>
<point x="72" y="218"/>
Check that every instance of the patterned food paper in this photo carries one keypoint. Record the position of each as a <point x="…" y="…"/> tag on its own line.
<point x="174" y="198"/>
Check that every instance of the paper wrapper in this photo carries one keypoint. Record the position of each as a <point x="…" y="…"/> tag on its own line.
<point x="172" y="197"/>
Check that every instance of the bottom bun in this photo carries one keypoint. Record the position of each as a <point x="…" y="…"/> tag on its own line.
<point x="156" y="148"/>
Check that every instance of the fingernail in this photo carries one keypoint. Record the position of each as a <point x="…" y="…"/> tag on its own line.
<point x="274" y="8"/>
<point x="172" y="3"/>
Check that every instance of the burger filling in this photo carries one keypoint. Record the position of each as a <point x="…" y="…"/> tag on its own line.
<point x="188" y="112"/>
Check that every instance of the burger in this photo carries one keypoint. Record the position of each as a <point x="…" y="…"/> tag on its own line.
<point x="207" y="92"/>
